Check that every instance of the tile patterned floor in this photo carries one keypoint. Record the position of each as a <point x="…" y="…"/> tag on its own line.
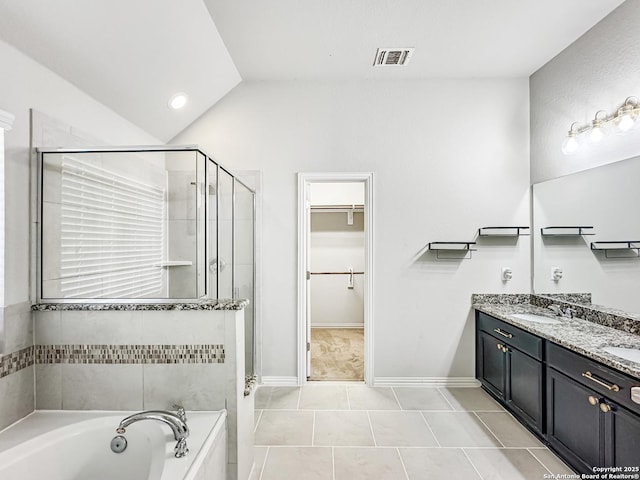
<point x="354" y="432"/>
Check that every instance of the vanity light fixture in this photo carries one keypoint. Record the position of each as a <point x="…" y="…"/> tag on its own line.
<point x="623" y="119"/>
<point x="178" y="100"/>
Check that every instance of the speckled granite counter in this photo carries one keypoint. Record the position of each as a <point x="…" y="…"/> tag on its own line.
<point x="237" y="304"/>
<point x="582" y="336"/>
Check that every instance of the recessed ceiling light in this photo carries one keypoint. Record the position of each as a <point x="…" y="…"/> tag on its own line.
<point x="178" y="100"/>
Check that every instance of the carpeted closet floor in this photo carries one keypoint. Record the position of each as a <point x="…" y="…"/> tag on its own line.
<point x="337" y="354"/>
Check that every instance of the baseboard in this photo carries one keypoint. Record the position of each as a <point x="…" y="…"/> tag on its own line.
<point x="425" y="382"/>
<point x="268" y="381"/>
<point x="337" y="325"/>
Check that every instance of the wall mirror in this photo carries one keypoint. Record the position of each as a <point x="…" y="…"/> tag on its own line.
<point x="602" y="260"/>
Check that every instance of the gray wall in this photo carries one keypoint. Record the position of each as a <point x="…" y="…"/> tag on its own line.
<point x="597" y="72"/>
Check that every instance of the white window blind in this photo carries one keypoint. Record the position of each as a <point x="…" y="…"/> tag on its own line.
<point x="112" y="233"/>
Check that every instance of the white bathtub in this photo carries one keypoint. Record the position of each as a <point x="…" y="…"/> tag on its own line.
<point x="70" y="445"/>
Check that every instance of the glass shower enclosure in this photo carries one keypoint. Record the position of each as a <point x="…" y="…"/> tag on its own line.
<point x="146" y="225"/>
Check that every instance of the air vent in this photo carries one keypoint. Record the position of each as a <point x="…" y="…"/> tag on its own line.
<point x="392" y="57"/>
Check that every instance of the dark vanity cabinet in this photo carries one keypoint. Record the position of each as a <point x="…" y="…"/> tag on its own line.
<point x="509" y="366"/>
<point x="580" y="407"/>
<point x="591" y="419"/>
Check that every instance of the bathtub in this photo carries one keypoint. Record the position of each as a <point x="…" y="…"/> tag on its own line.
<point x="70" y="445"/>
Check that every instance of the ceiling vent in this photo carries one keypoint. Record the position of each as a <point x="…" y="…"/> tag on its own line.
<point x="392" y="57"/>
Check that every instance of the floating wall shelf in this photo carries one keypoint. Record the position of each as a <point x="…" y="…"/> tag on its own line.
<point x="454" y="247"/>
<point x="575" y="230"/>
<point x="502" y="231"/>
<point x="617" y="245"/>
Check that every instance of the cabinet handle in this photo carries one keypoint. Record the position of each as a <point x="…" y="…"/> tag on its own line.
<point x="504" y="334"/>
<point x="593" y="400"/>
<point x="605" y="408"/>
<point x="500" y="347"/>
<point x="590" y="376"/>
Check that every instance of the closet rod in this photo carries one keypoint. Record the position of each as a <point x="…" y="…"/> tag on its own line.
<point x="336" y="273"/>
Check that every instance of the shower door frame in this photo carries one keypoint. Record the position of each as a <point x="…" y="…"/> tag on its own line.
<point x="304" y="184"/>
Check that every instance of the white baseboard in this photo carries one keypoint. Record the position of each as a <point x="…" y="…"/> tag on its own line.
<point x="337" y="325"/>
<point x="279" y="381"/>
<point x="425" y="382"/>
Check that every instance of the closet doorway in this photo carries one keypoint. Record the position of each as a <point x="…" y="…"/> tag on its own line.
<point x="335" y="277"/>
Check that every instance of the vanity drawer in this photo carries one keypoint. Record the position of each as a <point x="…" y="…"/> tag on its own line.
<point x="606" y="381"/>
<point x="515" y="337"/>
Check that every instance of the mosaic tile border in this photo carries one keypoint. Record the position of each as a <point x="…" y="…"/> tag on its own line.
<point x="16" y="361"/>
<point x="237" y="304"/>
<point x="129" y="354"/>
<point x="110" y="355"/>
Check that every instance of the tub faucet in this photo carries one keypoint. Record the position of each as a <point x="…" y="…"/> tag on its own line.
<point x="177" y="424"/>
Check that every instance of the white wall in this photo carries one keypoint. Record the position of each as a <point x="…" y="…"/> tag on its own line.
<point x="25" y="85"/>
<point x="597" y="72"/>
<point x="337" y="193"/>
<point x="336" y="246"/>
<point x="448" y="156"/>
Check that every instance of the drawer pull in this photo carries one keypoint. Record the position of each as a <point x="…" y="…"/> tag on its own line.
<point x="613" y="387"/>
<point x="593" y="400"/>
<point x="504" y="334"/>
<point x="605" y="408"/>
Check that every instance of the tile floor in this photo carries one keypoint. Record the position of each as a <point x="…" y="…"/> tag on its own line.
<point x="354" y="432"/>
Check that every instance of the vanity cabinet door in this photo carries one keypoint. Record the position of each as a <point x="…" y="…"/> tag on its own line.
<point x="574" y="426"/>
<point x="622" y="431"/>
<point x="524" y="388"/>
<point x="491" y="363"/>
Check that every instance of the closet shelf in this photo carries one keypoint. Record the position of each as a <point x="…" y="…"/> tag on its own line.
<point x="502" y="231"/>
<point x="560" y="231"/>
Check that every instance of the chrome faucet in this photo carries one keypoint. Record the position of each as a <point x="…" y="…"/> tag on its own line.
<point x="177" y="422"/>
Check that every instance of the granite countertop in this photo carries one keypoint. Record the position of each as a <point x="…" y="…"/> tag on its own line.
<point x="581" y="336"/>
<point x="217" y="304"/>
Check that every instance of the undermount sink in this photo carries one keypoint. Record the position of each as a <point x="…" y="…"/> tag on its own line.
<point x="530" y="317"/>
<point x="631" y="354"/>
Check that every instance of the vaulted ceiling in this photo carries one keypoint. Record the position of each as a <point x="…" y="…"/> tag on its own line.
<point x="132" y="55"/>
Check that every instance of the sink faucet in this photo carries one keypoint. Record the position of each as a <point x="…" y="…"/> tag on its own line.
<point x="178" y="426"/>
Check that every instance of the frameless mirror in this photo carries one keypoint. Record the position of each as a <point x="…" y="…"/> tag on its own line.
<point x="122" y="224"/>
<point x="603" y="260"/>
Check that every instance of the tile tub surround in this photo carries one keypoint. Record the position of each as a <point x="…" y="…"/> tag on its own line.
<point x="141" y="357"/>
<point x="581" y="336"/>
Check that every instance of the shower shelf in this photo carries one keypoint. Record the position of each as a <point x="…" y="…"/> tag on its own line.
<point x="174" y="263"/>
<point x="574" y="230"/>
<point x="502" y="231"/>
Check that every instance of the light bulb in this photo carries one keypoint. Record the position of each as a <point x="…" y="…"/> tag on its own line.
<point x="596" y="134"/>
<point x="626" y="116"/>
<point x="570" y="144"/>
<point x="625" y="122"/>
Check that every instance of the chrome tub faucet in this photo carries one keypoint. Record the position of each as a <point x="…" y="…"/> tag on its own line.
<point x="177" y="422"/>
